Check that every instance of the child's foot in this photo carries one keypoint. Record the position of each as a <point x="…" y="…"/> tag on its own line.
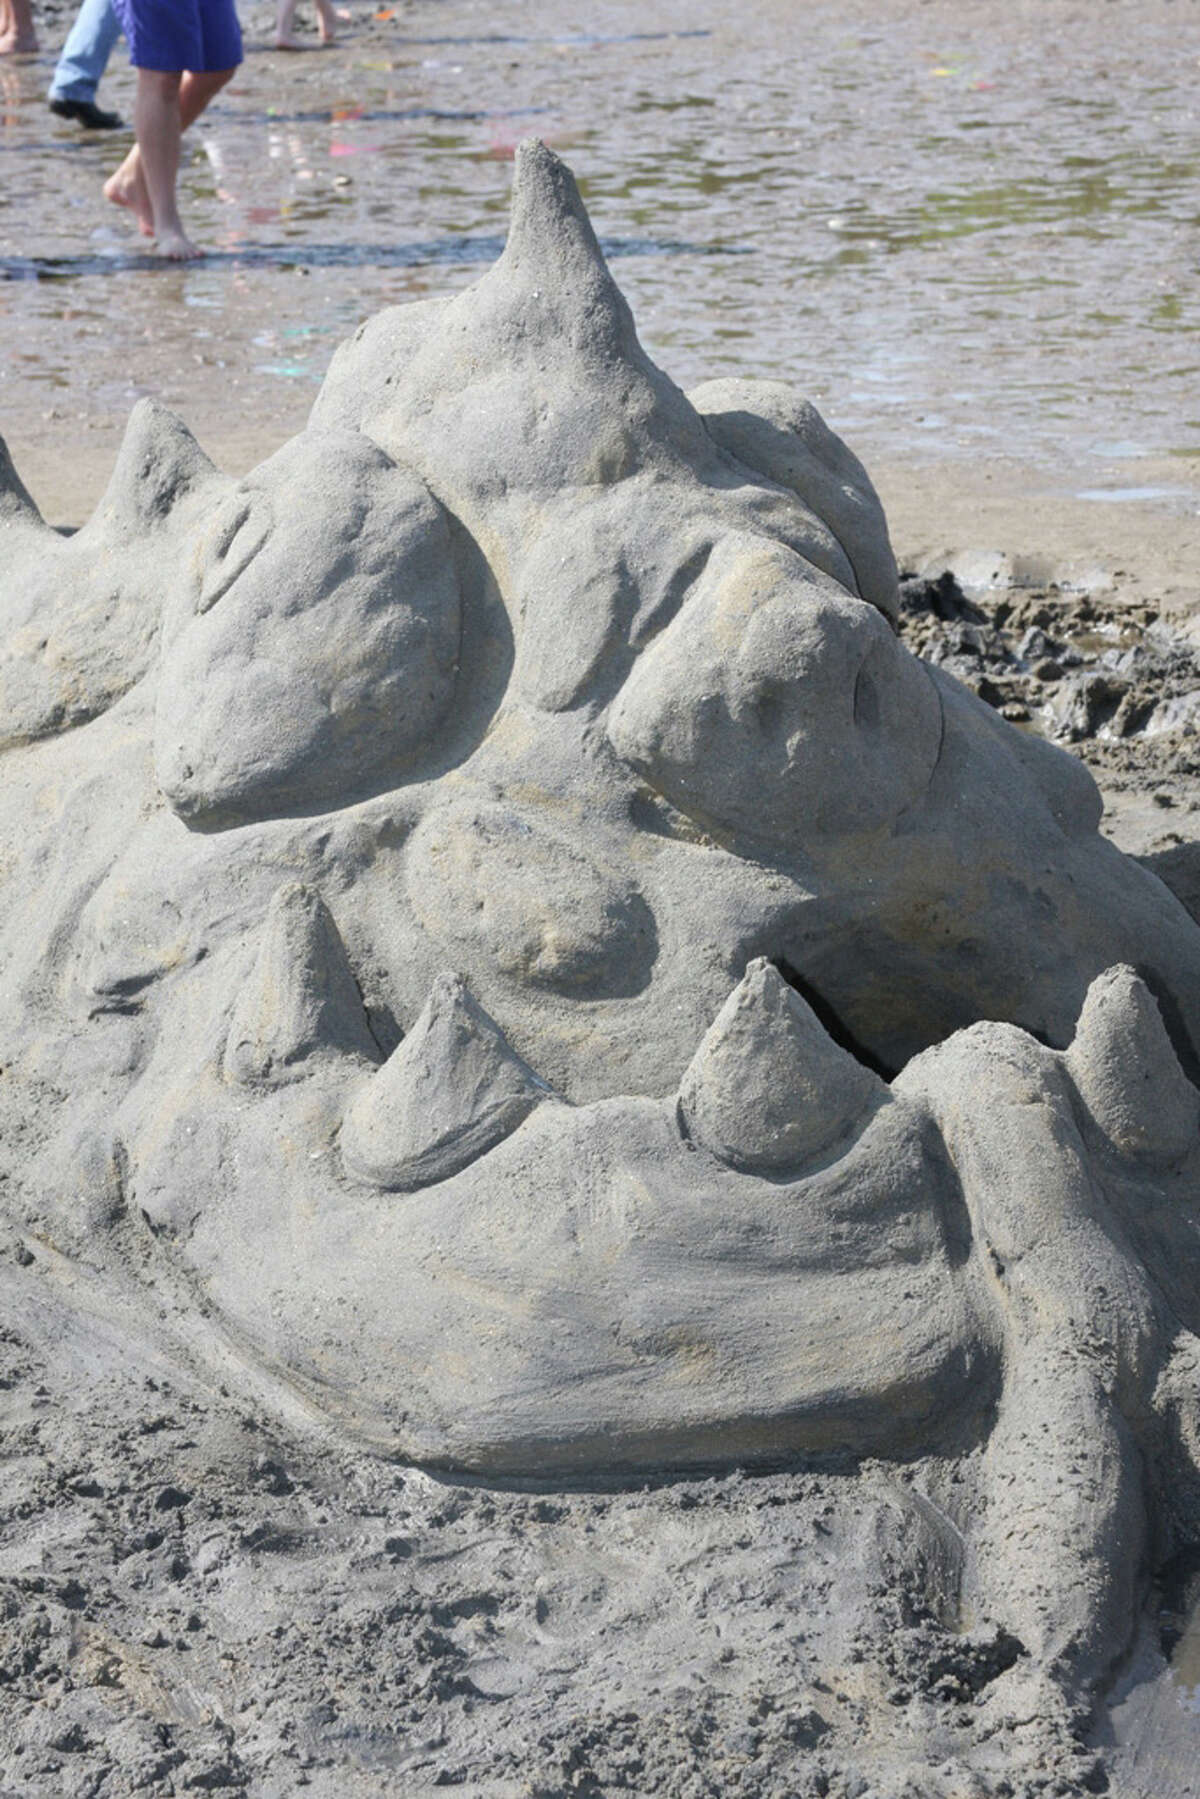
<point x="129" y="190"/>
<point x="285" y="41"/>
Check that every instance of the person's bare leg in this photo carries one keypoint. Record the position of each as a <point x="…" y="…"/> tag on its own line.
<point x="157" y="122"/>
<point x="197" y="88"/>
<point x="327" y="19"/>
<point x="17" y="34"/>
<point x="285" y="38"/>
<point x="328" y="16"/>
<point x="128" y="186"/>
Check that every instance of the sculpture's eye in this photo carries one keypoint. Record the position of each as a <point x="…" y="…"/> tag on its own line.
<point x="238" y="535"/>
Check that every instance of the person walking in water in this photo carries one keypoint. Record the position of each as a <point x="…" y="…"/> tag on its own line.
<point x="328" y="16"/>
<point x="184" y="52"/>
<point x="16" y="27"/>
<point x="83" y="61"/>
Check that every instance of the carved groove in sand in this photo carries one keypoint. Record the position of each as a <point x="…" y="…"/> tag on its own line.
<point x="419" y="853"/>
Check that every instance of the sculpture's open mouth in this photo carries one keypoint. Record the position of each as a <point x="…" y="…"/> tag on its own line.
<point x="471" y="1272"/>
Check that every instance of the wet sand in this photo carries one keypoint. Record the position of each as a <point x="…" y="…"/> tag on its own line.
<point x="966" y="237"/>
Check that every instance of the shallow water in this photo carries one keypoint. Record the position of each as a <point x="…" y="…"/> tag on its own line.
<point x="962" y="229"/>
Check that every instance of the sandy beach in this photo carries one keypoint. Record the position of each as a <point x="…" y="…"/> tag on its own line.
<point x="969" y="239"/>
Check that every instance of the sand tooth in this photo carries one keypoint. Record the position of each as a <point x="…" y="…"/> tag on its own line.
<point x="768" y="1089"/>
<point x="301" y="1001"/>
<point x="158" y="465"/>
<point x="1127" y="1072"/>
<point x="450" y="1092"/>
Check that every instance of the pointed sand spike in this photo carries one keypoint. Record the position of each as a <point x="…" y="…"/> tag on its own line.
<point x="450" y="1092"/>
<point x="768" y="1089"/>
<point x="552" y="253"/>
<point x="548" y="216"/>
<point x="16" y="502"/>
<point x="159" y="464"/>
<point x="1127" y="1073"/>
<point x="301" y="1001"/>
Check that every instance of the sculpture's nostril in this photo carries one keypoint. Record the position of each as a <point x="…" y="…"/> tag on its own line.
<point x="867" y="710"/>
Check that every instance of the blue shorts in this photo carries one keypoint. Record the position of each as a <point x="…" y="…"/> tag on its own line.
<point x="170" y="35"/>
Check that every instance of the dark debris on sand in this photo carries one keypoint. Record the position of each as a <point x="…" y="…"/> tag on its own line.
<point x="1118" y="684"/>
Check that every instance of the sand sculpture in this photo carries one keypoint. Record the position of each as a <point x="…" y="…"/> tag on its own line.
<point x="491" y="906"/>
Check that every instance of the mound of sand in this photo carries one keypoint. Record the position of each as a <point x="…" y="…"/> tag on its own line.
<point x="524" y="1005"/>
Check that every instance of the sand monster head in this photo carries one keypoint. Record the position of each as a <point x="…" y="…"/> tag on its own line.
<point x="580" y="624"/>
<point x="534" y="781"/>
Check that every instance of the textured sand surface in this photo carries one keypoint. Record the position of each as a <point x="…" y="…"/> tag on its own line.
<point x="521" y="972"/>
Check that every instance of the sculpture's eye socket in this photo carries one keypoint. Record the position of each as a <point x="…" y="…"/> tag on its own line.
<point x="241" y="529"/>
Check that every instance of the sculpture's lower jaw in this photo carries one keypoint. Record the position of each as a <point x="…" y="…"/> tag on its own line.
<point x="593" y="1296"/>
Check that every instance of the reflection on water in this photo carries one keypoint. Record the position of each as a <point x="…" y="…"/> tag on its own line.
<point x="1125" y="496"/>
<point x="961" y="227"/>
<point x="329" y="256"/>
<point x="579" y="40"/>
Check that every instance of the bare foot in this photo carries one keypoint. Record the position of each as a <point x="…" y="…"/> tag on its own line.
<point x="177" y="247"/>
<point x="130" y="191"/>
<point x="327" y="20"/>
<point x="286" y="42"/>
<point x="18" y="43"/>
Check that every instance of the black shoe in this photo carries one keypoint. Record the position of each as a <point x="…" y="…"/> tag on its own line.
<point x="87" y="114"/>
